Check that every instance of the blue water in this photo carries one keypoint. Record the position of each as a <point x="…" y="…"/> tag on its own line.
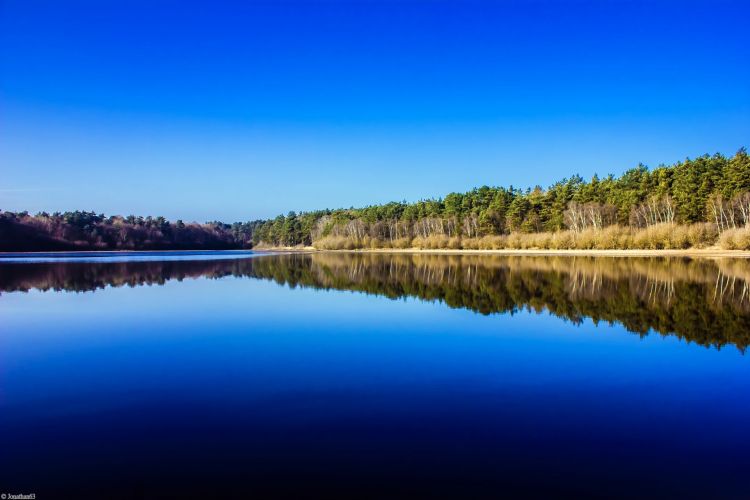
<point x="236" y="386"/>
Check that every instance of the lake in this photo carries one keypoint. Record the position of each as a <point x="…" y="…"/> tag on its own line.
<point x="233" y="374"/>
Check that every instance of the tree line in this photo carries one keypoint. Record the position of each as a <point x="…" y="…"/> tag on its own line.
<point x="80" y="230"/>
<point x="710" y="189"/>
<point x="695" y="202"/>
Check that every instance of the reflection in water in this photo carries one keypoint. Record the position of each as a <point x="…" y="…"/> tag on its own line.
<point x="241" y="388"/>
<point x="702" y="301"/>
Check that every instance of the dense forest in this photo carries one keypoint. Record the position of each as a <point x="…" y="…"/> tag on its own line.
<point x="694" y="203"/>
<point x="90" y="231"/>
<point x="678" y="206"/>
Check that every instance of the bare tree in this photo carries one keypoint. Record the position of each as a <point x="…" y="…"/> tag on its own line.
<point x="355" y="228"/>
<point x="429" y="226"/>
<point x="655" y="210"/>
<point x="470" y="226"/>
<point x="579" y="217"/>
<point x="741" y="204"/>
<point x="722" y="212"/>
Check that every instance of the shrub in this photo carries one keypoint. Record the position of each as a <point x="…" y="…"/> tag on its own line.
<point x="437" y="241"/>
<point x="402" y="243"/>
<point x="454" y="242"/>
<point x="680" y="237"/>
<point x="640" y="239"/>
<point x="430" y="242"/>
<point x="330" y="243"/>
<point x="470" y="243"/>
<point x="742" y="239"/>
<point x="735" y="239"/>
<point x="561" y="240"/>
<point x="674" y="236"/>
<point x="660" y="236"/>
<point x="585" y="240"/>
<point x="726" y="240"/>
<point x="702" y="235"/>
<point x="419" y="242"/>
<point x="655" y="237"/>
<point x="607" y="238"/>
<point x="513" y="241"/>
<point x="492" y="243"/>
<point x="542" y="240"/>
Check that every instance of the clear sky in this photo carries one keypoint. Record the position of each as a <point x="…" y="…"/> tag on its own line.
<point x="242" y="110"/>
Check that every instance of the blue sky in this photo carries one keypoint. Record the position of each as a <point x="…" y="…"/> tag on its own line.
<point x="235" y="111"/>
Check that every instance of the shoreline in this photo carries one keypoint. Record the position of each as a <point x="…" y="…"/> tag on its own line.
<point x="120" y="252"/>
<point x="689" y="252"/>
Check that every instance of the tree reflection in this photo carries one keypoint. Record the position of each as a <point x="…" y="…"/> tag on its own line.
<point x="701" y="301"/>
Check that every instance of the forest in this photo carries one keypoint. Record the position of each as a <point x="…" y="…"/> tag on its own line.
<point x="694" y="203"/>
<point x="21" y="232"/>
<point x="697" y="202"/>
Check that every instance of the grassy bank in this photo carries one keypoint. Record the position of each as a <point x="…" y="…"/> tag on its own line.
<point x="657" y="237"/>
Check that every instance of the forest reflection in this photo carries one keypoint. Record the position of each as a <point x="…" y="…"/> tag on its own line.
<point x="699" y="300"/>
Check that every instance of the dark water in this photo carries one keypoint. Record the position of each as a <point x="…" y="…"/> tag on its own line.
<point x="374" y="376"/>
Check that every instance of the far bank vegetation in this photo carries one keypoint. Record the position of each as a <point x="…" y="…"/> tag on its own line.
<point x="703" y="202"/>
<point x="696" y="203"/>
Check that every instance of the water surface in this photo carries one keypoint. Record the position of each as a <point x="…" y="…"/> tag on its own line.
<point x="374" y="376"/>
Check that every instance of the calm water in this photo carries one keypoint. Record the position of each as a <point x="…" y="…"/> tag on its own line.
<point x="374" y="376"/>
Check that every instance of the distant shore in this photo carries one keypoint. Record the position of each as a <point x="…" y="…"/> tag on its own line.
<point x="689" y="252"/>
<point x="122" y="252"/>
